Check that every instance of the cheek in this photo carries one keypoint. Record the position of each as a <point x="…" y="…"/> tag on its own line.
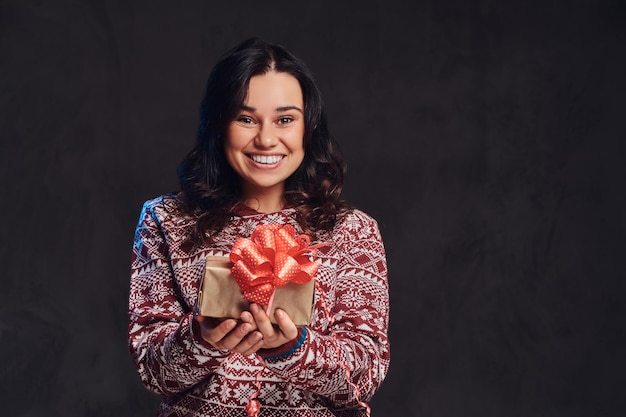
<point x="231" y="139"/>
<point x="297" y="141"/>
<point x="231" y="147"/>
<point x="236" y="139"/>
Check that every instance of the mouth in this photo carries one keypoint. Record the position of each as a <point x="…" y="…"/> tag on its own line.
<point x="266" y="159"/>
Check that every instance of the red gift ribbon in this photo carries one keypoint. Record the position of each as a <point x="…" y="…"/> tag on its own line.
<point x="272" y="257"/>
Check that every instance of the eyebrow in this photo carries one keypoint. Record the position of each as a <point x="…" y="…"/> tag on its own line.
<point x="277" y="110"/>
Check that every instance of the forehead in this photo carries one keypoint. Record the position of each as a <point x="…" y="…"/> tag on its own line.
<point x="274" y="88"/>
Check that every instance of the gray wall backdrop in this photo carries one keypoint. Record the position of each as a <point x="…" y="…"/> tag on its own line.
<point x="485" y="136"/>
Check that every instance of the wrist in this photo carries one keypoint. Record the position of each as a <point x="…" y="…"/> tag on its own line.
<point x="286" y="349"/>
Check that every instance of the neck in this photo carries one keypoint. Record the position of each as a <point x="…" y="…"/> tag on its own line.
<point x="266" y="202"/>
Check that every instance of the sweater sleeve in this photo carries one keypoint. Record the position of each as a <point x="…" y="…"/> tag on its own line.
<point x="168" y="356"/>
<point x="353" y="353"/>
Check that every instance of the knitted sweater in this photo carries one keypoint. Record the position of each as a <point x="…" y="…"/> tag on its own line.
<point x="196" y="379"/>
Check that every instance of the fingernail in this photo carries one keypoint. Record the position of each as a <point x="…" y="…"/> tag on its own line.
<point x="230" y="325"/>
<point x="254" y="308"/>
<point x="278" y="313"/>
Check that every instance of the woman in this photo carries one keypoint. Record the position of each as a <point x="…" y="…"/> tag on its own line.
<point x="263" y="155"/>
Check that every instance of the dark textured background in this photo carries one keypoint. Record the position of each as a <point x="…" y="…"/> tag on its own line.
<point x="485" y="136"/>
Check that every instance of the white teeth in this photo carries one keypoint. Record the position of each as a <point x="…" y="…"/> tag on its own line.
<point x="264" y="159"/>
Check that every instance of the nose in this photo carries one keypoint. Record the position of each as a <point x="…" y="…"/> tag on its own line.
<point x="267" y="137"/>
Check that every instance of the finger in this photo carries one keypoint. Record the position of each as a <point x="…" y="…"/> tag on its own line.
<point x="289" y="330"/>
<point x="249" y="342"/>
<point x="255" y="347"/>
<point x="247" y="317"/>
<point x="234" y="338"/>
<point x="262" y="320"/>
<point x="214" y="334"/>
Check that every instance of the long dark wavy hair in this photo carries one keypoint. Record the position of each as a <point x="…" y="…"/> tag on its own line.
<point x="210" y="188"/>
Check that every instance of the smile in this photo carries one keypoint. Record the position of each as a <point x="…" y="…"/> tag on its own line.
<point x="267" y="159"/>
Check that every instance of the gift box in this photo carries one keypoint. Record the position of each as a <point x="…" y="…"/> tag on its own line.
<point x="221" y="297"/>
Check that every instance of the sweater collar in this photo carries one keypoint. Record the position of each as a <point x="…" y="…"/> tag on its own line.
<point x="242" y="210"/>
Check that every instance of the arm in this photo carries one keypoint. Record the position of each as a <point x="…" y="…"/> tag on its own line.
<point x="357" y="337"/>
<point x="167" y="352"/>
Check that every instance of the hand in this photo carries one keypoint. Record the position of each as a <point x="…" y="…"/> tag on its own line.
<point x="239" y="336"/>
<point x="274" y="336"/>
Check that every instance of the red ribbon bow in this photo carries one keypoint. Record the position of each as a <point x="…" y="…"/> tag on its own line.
<point x="272" y="257"/>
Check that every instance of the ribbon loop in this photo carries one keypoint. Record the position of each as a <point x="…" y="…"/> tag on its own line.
<point x="272" y="257"/>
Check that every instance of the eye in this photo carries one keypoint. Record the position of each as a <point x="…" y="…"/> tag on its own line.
<point x="284" y="120"/>
<point x="246" y="120"/>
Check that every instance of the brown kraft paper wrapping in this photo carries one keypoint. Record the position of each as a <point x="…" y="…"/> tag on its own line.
<point x="221" y="297"/>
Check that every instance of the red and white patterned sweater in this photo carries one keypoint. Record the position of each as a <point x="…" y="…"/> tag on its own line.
<point x="196" y="379"/>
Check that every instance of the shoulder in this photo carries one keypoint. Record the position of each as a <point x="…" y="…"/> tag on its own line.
<point x="163" y="209"/>
<point x="162" y="202"/>
<point x="357" y="224"/>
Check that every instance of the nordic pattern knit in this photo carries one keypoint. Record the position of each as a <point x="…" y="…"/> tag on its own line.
<point x="196" y="379"/>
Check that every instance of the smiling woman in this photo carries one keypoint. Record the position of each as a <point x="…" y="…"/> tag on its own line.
<point x="263" y="186"/>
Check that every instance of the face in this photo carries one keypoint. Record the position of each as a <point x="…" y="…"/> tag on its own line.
<point x="265" y="142"/>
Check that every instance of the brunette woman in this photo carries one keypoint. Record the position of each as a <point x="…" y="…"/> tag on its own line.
<point x="263" y="155"/>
